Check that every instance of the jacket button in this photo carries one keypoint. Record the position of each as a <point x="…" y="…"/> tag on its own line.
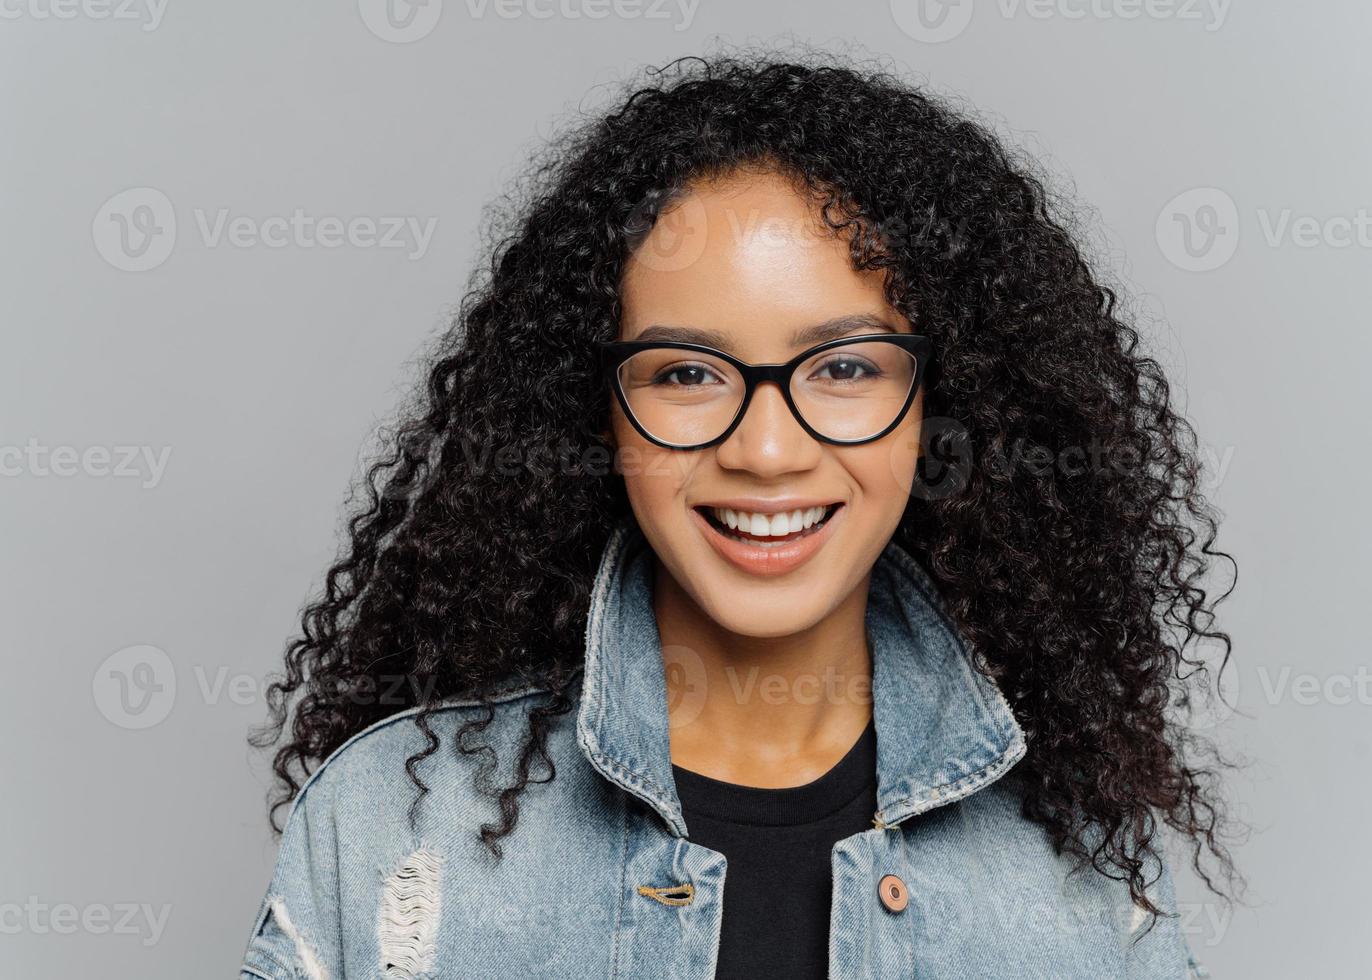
<point x="893" y="893"/>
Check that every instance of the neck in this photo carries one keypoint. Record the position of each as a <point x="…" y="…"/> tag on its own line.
<point x="763" y="711"/>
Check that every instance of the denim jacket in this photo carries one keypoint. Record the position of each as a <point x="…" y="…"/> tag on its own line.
<point x="600" y="879"/>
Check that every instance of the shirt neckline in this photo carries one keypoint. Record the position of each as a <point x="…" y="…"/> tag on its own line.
<point x="788" y="805"/>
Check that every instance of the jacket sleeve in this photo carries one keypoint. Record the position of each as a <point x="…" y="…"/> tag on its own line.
<point x="1162" y="952"/>
<point x="296" y="935"/>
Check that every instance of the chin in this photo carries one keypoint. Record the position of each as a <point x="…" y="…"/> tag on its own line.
<point x="764" y="610"/>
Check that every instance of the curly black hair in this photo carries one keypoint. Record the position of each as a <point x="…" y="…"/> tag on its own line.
<point x="1079" y="588"/>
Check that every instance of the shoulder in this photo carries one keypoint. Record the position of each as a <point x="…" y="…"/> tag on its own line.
<point x="1000" y="844"/>
<point x="348" y="836"/>
<point x="371" y="764"/>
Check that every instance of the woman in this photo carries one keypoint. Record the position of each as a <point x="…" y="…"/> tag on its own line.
<point x="787" y="572"/>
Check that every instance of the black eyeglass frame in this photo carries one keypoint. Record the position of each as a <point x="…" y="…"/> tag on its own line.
<point x="613" y="353"/>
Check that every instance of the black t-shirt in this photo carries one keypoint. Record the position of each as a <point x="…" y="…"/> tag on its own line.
<point x="778" y="843"/>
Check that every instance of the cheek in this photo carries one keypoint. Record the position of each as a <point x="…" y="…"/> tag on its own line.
<point x="888" y="465"/>
<point x="653" y="476"/>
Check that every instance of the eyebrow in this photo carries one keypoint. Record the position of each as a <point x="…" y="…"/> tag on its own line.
<point x="818" y="333"/>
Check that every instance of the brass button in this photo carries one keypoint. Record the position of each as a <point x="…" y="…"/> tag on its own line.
<point x="893" y="893"/>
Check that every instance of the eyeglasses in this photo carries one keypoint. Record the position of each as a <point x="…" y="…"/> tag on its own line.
<point x="844" y="392"/>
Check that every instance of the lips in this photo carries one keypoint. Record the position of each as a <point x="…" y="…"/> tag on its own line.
<point x="769" y="555"/>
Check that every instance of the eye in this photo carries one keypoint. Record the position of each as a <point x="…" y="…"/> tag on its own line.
<point x="844" y="367"/>
<point x="685" y="376"/>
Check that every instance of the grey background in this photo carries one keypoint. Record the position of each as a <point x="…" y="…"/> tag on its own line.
<point x="260" y="372"/>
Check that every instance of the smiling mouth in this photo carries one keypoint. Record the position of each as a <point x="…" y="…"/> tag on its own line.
<point x="766" y="540"/>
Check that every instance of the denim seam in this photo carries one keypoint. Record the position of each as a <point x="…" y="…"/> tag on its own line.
<point x="285" y="969"/>
<point x="263" y="954"/>
<point x="1003" y="721"/>
<point x="594" y="622"/>
<point x="260" y="951"/>
<point x="266" y="976"/>
<point x="450" y="704"/>
<point x="623" y="885"/>
<point x="606" y="576"/>
<point x="928" y="592"/>
<point x="961" y="788"/>
<point x="633" y="782"/>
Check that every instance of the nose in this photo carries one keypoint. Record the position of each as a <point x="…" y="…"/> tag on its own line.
<point x="769" y="439"/>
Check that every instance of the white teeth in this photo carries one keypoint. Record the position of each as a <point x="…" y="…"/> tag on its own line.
<point x="769" y="525"/>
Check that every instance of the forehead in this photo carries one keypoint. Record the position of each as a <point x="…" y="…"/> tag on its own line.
<point x="750" y="258"/>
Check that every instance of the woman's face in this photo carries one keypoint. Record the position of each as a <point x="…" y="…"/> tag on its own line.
<point x="749" y="261"/>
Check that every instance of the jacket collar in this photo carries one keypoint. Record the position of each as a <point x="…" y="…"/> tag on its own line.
<point x="944" y="730"/>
